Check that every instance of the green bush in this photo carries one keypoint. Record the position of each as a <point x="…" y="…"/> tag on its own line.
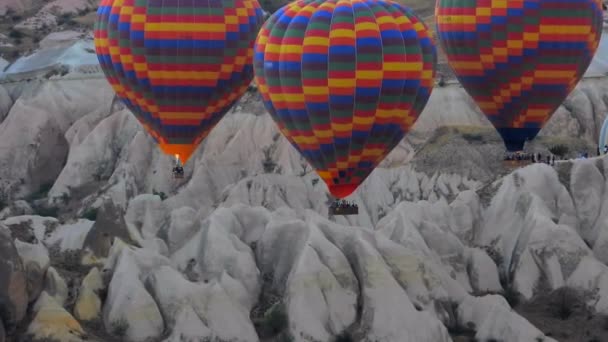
<point x="162" y="195"/>
<point x="120" y="327"/>
<point x="42" y="192"/>
<point x="16" y="34"/>
<point x="90" y="214"/>
<point x="47" y="211"/>
<point x="275" y="319"/>
<point x="511" y="295"/>
<point x="64" y="18"/>
<point x="344" y="337"/>
<point x="565" y="305"/>
<point x="472" y="137"/>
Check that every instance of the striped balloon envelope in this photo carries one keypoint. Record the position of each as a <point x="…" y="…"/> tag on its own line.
<point x="178" y="65"/>
<point x="344" y="80"/>
<point x="519" y="59"/>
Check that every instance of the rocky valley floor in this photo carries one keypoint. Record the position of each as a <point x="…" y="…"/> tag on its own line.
<point x="99" y="243"/>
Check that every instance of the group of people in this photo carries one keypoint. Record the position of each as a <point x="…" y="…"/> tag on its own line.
<point x="531" y="157"/>
<point x="342" y="204"/>
<point x="178" y="171"/>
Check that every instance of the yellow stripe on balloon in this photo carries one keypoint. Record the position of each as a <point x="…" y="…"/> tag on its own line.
<point x="185" y="27"/>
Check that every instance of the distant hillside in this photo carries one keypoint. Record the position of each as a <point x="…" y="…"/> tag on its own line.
<point x="23" y="23"/>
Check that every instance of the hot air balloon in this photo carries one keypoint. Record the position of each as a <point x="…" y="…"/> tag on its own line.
<point x="178" y="65"/>
<point x="344" y="80"/>
<point x="519" y="59"/>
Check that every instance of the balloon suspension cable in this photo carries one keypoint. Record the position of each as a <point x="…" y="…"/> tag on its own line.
<point x="177" y="159"/>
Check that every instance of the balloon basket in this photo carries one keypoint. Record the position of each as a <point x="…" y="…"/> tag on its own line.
<point x="343" y="209"/>
<point x="178" y="175"/>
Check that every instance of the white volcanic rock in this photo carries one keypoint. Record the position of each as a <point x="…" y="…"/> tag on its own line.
<point x="592" y="275"/>
<point x="13" y="283"/>
<point x="36" y="261"/>
<point x="129" y="305"/>
<point x="208" y="307"/>
<point x="55" y="286"/>
<point x="146" y="215"/>
<point x="188" y="326"/>
<point x="182" y="226"/>
<point x="95" y="158"/>
<point x="532" y="225"/>
<point x="530" y="191"/>
<point x="52" y="321"/>
<point x="387" y="314"/>
<point x="69" y="236"/>
<point x="34" y="150"/>
<point x="59" y="39"/>
<point x="600" y="244"/>
<point x="16" y="208"/>
<point x="67" y="6"/>
<point x="482" y="272"/>
<point x="31" y="226"/>
<point x="6" y="102"/>
<point x="449" y="106"/>
<point x="587" y="184"/>
<point x="423" y="241"/>
<point x="17" y="6"/>
<point x="223" y="245"/>
<point x="581" y="115"/>
<point x="494" y="319"/>
<point x="321" y="288"/>
<point x="466" y="215"/>
<point x="88" y="303"/>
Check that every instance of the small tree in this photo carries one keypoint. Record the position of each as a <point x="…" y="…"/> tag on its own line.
<point x="344" y="337"/>
<point x="16" y="34"/>
<point x="90" y="214"/>
<point x="559" y="150"/>
<point x="120" y="327"/>
<point x="161" y="194"/>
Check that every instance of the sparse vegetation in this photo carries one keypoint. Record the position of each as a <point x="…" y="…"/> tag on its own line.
<point x="64" y="18"/>
<point x="511" y="295"/>
<point x="120" y="328"/>
<point x="268" y="163"/>
<point x="69" y="260"/>
<point x="161" y="194"/>
<point x="42" y="192"/>
<point x="276" y="318"/>
<point x="566" y="302"/>
<point x="15" y="34"/>
<point x="284" y="337"/>
<point x="65" y="198"/>
<point x="273" y="323"/>
<point x="441" y="82"/>
<point x="473" y="137"/>
<point x="83" y="11"/>
<point x="50" y="211"/>
<point x="90" y="214"/>
<point x="344" y="337"/>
